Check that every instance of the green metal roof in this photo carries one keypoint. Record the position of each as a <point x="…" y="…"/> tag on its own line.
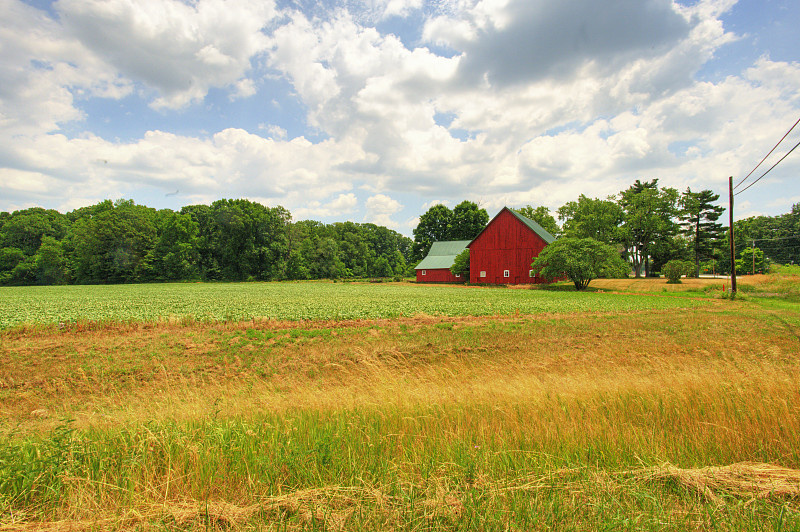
<point x="536" y="228"/>
<point x="442" y="255"/>
<point x="530" y="224"/>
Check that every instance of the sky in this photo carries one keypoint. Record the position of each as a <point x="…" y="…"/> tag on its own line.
<point x="376" y="110"/>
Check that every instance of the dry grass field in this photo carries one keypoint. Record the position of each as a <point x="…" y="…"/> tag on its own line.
<point x="680" y="418"/>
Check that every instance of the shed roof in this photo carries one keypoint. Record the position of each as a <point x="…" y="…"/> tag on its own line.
<point x="442" y="255"/>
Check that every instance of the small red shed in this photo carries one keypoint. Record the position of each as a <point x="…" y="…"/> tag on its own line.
<point x="503" y="252"/>
<point x="435" y="267"/>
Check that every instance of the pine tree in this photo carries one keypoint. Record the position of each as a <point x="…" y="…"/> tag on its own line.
<point x="699" y="218"/>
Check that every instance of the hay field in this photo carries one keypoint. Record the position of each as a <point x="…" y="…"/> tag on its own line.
<point x="647" y="418"/>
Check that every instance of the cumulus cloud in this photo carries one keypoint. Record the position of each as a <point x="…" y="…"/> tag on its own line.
<point x="529" y="102"/>
<point x="521" y="41"/>
<point x="43" y="70"/>
<point x="232" y="163"/>
<point x="380" y="209"/>
<point x="177" y="49"/>
<point x="341" y="206"/>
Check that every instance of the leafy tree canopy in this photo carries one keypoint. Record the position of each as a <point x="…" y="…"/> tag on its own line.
<point x="580" y="260"/>
<point x="440" y="224"/>
<point x="541" y="215"/>
<point x="592" y="218"/>
<point x="461" y="264"/>
<point x="648" y="217"/>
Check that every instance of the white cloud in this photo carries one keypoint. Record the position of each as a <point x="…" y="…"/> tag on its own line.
<point x="232" y="163"/>
<point x="520" y="41"/>
<point x="342" y="206"/>
<point x="244" y="89"/>
<point x="179" y="50"/>
<point x="380" y="209"/>
<point x="275" y="131"/>
<point x="43" y="70"/>
<point x="600" y="102"/>
<point x="429" y="204"/>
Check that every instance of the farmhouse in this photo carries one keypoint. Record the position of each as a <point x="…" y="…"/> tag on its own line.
<point x="435" y="267"/>
<point x="502" y="253"/>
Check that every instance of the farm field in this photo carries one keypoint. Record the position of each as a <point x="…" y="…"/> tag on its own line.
<point x="291" y="302"/>
<point x="563" y="411"/>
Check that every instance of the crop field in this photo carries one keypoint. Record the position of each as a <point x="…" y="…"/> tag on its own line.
<point x="294" y="302"/>
<point x="401" y="407"/>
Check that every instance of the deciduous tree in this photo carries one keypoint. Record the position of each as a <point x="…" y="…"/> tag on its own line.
<point x="541" y="215"/>
<point x="461" y="265"/>
<point x="592" y="218"/>
<point x="433" y="226"/>
<point x="648" y="214"/>
<point x="580" y="260"/>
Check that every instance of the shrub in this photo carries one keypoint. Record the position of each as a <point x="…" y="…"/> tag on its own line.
<point x="675" y="269"/>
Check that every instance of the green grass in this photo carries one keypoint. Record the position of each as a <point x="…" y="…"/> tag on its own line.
<point x="413" y="468"/>
<point x="295" y="302"/>
<point x="566" y="417"/>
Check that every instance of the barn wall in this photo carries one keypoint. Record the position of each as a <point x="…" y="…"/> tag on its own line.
<point x="505" y="244"/>
<point x="439" y="276"/>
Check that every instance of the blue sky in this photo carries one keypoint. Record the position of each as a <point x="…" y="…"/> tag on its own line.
<point x="374" y="110"/>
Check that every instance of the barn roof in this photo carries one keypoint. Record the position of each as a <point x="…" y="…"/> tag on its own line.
<point x="442" y="255"/>
<point x="533" y="226"/>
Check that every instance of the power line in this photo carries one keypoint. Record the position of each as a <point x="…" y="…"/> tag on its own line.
<point x="770" y="168"/>
<point x="771" y="239"/>
<point x="765" y="157"/>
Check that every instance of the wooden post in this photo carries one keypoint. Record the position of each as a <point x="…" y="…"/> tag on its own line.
<point x="730" y="236"/>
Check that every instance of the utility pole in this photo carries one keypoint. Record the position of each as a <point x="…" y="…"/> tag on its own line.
<point x="754" y="257"/>
<point x="730" y="236"/>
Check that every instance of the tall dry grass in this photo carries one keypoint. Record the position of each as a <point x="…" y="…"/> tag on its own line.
<point x="532" y="422"/>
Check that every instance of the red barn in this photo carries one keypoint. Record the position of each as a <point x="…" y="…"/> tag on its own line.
<point x="435" y="267"/>
<point x="503" y="252"/>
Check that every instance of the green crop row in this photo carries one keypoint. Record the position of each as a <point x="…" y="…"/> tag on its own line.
<point x="297" y="301"/>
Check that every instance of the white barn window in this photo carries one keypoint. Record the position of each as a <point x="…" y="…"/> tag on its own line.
<point x="506" y="273"/>
<point x="483" y="274"/>
<point x="424" y="272"/>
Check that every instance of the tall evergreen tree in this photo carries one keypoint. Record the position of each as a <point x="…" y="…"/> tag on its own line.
<point x="698" y="216"/>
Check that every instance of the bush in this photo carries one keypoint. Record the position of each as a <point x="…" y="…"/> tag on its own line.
<point x="675" y="269"/>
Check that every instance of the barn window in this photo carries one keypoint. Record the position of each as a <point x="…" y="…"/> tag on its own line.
<point x="483" y="274"/>
<point x="458" y="275"/>
<point x="506" y="273"/>
<point x="531" y="274"/>
<point x="424" y="272"/>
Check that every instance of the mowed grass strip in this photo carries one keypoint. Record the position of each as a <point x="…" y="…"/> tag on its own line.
<point x="294" y="301"/>
<point x="529" y="422"/>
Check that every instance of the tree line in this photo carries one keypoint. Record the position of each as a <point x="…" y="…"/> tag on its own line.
<point x="229" y="240"/>
<point x="647" y="224"/>
<point x="238" y="240"/>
